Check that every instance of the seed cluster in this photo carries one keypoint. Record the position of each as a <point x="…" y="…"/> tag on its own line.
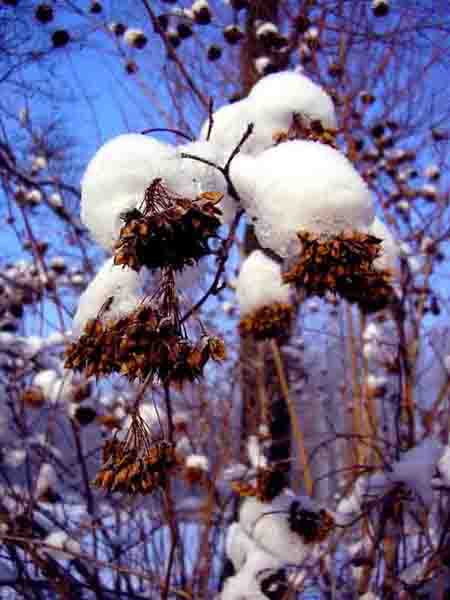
<point x="312" y="131"/>
<point x="269" y="483"/>
<point x="342" y="265"/>
<point x="272" y="321"/>
<point x="167" y="231"/>
<point x="145" y="343"/>
<point x="311" y="526"/>
<point x="136" y="465"/>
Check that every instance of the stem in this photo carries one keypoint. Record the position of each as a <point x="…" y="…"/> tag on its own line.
<point x="297" y="432"/>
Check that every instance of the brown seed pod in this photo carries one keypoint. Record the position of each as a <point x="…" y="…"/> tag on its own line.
<point x="273" y="321"/>
<point x="168" y="230"/>
<point x="342" y="265"/>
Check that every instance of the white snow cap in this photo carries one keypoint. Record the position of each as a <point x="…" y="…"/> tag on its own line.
<point x="116" y="179"/>
<point x="246" y="584"/>
<point x="276" y="97"/>
<point x="61" y="541"/>
<point x="46" y="479"/>
<point x="230" y="122"/>
<point x="197" y="461"/>
<point x="268" y="524"/>
<point x="122" y="284"/>
<point x="415" y="469"/>
<point x="388" y="259"/>
<point x="270" y="106"/>
<point x="301" y="186"/>
<point x="259" y="283"/>
<point x="444" y="466"/>
<point x="238" y="545"/>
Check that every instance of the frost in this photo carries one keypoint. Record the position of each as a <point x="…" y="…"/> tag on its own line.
<point x="121" y="284"/>
<point x="301" y="186"/>
<point x="259" y="283"/>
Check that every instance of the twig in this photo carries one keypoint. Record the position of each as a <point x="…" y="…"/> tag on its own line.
<point x="210" y="119"/>
<point x="168" y="130"/>
<point x="173" y="55"/>
<point x="214" y="288"/>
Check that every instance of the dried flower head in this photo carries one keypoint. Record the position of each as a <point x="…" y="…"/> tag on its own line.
<point x="148" y="343"/>
<point x="272" y="321"/>
<point x="136" y="465"/>
<point x="311" y="526"/>
<point x="343" y="265"/>
<point x="167" y="230"/>
<point x="303" y="129"/>
<point x="269" y="483"/>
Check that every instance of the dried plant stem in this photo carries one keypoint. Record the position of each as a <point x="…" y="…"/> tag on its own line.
<point x="297" y="432"/>
<point x="261" y="386"/>
<point x="357" y="422"/>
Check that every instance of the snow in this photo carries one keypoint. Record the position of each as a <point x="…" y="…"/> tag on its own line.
<point x="61" y="541"/>
<point x="245" y="584"/>
<point x="388" y="259"/>
<point x="230" y="122"/>
<point x="203" y="178"/>
<point x="255" y="454"/>
<point x="301" y="186"/>
<point x="267" y="523"/>
<point x="276" y="97"/>
<point x="197" y="461"/>
<point x="270" y="106"/>
<point x="46" y="480"/>
<point x="237" y="545"/>
<point x="122" y="284"/>
<point x="116" y="179"/>
<point x="444" y="466"/>
<point x="260" y="283"/>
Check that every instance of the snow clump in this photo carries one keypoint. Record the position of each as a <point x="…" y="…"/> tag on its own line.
<point x="259" y="283"/>
<point x="301" y="186"/>
<point x="124" y="286"/>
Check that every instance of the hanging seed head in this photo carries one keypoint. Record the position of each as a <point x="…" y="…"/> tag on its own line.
<point x="149" y="342"/>
<point x="311" y="526"/>
<point x="301" y="129"/>
<point x="33" y="397"/>
<point x="136" y="465"/>
<point x="343" y="265"/>
<point x="270" y="482"/>
<point x="167" y="231"/>
<point x="273" y="321"/>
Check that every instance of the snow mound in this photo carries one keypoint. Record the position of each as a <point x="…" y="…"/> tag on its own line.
<point x="301" y="186"/>
<point x="123" y="285"/>
<point x="259" y="283"/>
<point x="116" y="179"/>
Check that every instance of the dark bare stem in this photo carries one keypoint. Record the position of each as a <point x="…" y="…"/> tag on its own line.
<point x="167" y="130"/>
<point x="173" y="55"/>
<point x="210" y="119"/>
<point x="168" y="400"/>
<point x="215" y="287"/>
<point x="173" y="539"/>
